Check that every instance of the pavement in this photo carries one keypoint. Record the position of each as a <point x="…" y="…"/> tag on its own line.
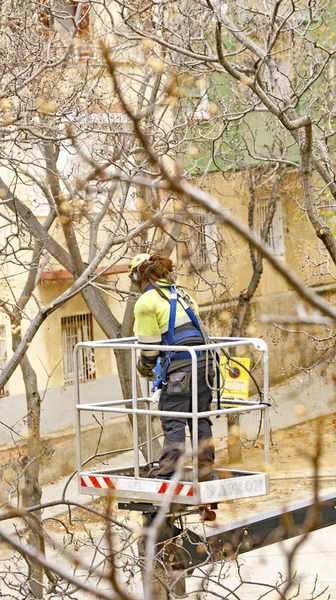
<point x="304" y="397"/>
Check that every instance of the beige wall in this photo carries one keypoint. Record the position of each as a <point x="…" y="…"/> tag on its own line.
<point x="52" y="342"/>
<point x="291" y="347"/>
<point x="303" y="250"/>
<point x="45" y="352"/>
<point x="233" y="273"/>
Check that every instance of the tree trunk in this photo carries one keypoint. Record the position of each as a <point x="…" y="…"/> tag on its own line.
<point x="31" y="494"/>
<point x="92" y="296"/>
<point x="234" y="442"/>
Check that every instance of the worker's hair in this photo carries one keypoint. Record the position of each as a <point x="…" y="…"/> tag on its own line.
<point x="156" y="267"/>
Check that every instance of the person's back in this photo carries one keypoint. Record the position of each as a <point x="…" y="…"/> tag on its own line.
<point x="152" y="312"/>
<point x="166" y="315"/>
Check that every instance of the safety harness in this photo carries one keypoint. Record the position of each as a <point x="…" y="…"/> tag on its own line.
<point x="170" y="338"/>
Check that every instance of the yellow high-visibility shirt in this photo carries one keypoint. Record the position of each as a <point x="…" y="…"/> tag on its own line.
<point x="151" y="313"/>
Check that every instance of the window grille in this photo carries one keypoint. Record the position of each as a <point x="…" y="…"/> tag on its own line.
<point x="275" y="239"/>
<point x="74" y="330"/>
<point x="205" y="238"/>
<point x="3" y="357"/>
<point x="101" y="135"/>
<point x="64" y="16"/>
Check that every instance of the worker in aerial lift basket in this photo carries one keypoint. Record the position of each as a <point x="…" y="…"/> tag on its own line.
<point x="165" y="314"/>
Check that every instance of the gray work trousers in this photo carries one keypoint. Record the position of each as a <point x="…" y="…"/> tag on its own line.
<point x="174" y="427"/>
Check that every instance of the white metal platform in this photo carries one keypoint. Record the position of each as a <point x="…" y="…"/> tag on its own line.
<point x="232" y="485"/>
<point x="131" y="483"/>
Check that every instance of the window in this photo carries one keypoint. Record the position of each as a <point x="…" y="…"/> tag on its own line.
<point x="198" y="101"/>
<point x="103" y="138"/>
<point x="201" y="112"/>
<point x="275" y="239"/>
<point x="329" y="215"/>
<point x="205" y="238"/>
<point x="3" y="357"/>
<point x="77" y="329"/>
<point x="64" y="16"/>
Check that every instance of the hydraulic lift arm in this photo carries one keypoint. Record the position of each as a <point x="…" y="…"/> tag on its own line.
<point x="272" y="527"/>
<point x="262" y="530"/>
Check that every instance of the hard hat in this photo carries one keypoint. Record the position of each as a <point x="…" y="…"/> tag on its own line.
<point x="137" y="260"/>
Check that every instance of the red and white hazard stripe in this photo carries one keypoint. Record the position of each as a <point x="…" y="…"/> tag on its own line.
<point x="181" y="489"/>
<point x="97" y="481"/>
<point x="152" y="486"/>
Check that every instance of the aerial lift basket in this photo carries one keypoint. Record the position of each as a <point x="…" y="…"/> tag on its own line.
<point x="131" y="484"/>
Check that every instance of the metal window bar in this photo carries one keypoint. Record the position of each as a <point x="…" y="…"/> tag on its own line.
<point x="200" y="237"/>
<point x="3" y="357"/>
<point x="275" y="239"/>
<point x="205" y="239"/>
<point x="76" y="329"/>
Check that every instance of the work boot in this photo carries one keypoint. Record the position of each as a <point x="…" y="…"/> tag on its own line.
<point x="207" y="474"/>
<point x="153" y="472"/>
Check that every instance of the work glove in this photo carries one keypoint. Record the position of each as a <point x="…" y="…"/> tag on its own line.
<point x="146" y="369"/>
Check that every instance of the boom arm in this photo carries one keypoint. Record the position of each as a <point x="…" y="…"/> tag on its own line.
<point x="273" y="527"/>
